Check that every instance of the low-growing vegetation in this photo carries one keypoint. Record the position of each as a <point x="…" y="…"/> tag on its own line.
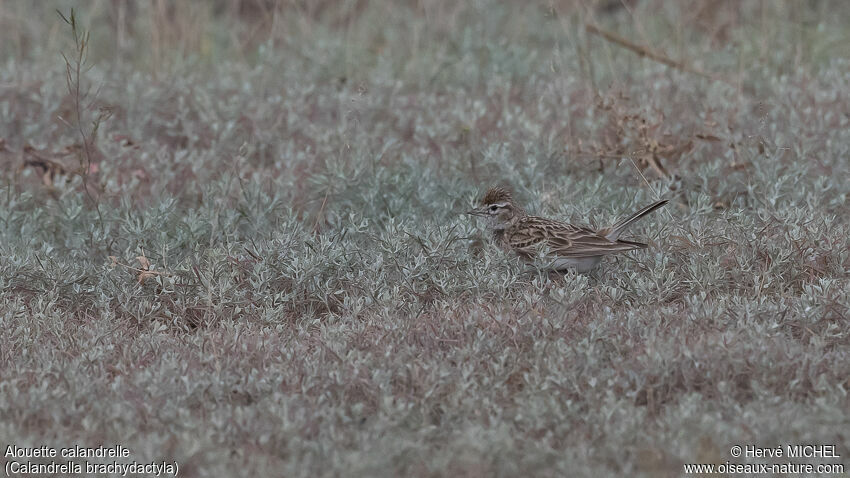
<point x="232" y="233"/>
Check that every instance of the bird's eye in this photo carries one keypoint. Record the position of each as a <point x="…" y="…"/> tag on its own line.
<point x="494" y="208"/>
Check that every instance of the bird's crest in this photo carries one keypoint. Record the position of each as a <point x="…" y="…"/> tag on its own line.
<point x="497" y="195"/>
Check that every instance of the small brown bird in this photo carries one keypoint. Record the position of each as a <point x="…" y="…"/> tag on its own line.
<point x="562" y="245"/>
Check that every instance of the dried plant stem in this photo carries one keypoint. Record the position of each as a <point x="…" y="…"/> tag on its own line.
<point x="73" y="79"/>
<point x="651" y="54"/>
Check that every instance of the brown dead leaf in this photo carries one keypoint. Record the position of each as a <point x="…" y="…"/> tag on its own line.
<point x="143" y="276"/>
<point x="145" y="268"/>
<point x="48" y="168"/>
<point x="144" y="262"/>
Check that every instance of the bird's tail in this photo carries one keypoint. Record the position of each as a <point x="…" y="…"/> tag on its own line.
<point x="613" y="233"/>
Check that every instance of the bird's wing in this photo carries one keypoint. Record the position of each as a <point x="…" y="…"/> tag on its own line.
<point x="525" y="239"/>
<point x="563" y="240"/>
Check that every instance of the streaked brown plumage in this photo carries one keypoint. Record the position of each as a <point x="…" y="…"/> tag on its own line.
<point x="563" y="245"/>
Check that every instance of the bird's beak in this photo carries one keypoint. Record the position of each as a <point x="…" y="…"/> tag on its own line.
<point x="476" y="212"/>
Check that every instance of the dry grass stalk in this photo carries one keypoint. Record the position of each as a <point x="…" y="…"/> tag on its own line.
<point x="651" y="54"/>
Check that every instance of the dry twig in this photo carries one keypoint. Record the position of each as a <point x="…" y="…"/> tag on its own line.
<point x="651" y="54"/>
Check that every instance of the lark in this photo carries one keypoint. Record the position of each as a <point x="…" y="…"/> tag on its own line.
<point x="563" y="246"/>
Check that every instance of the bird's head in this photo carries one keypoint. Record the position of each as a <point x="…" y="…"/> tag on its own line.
<point x="498" y="207"/>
